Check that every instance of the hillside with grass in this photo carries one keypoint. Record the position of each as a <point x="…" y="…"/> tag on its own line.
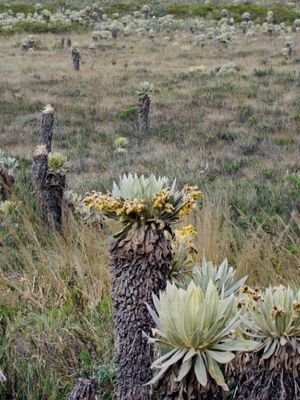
<point x="224" y="115"/>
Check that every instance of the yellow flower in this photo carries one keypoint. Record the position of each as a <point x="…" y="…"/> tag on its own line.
<point x="186" y="232"/>
<point x="192" y="192"/>
<point x="160" y="199"/>
<point x="185" y="236"/>
<point x="187" y="207"/>
<point x="133" y="206"/>
<point x="168" y="207"/>
<point x="103" y="202"/>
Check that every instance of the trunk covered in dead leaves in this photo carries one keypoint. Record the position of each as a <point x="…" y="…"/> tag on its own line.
<point x="6" y="184"/>
<point x="49" y="189"/>
<point x="85" y="389"/>
<point x="143" y="113"/>
<point x="76" y="59"/>
<point x="46" y="131"/>
<point x="52" y="199"/>
<point x="187" y="389"/>
<point x="256" y="379"/>
<point x="140" y="262"/>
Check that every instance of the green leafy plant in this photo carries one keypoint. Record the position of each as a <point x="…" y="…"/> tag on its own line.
<point x="8" y="207"/>
<point x="145" y="89"/>
<point x="10" y="164"/>
<point x="223" y="277"/>
<point x="128" y="113"/>
<point x="57" y="163"/>
<point x="273" y="321"/>
<point x="121" y="144"/>
<point x="197" y="327"/>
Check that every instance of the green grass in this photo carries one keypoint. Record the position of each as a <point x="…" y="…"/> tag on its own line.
<point x="258" y="12"/>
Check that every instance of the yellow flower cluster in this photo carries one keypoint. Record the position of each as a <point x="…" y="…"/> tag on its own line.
<point x="185" y="234"/>
<point x="108" y="203"/>
<point x="103" y="202"/>
<point x="133" y="206"/>
<point x="192" y="193"/>
<point x="160" y="201"/>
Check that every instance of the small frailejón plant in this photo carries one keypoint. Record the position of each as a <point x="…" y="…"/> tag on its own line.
<point x="8" y="166"/>
<point x="28" y="43"/>
<point x="197" y="330"/>
<point x="76" y="57"/>
<point x="57" y="163"/>
<point x="144" y="93"/>
<point x="140" y="259"/>
<point x="222" y="276"/>
<point x="8" y="211"/>
<point x="121" y="144"/>
<point x="273" y="370"/>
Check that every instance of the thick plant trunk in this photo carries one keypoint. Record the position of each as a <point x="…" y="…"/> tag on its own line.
<point x="143" y="111"/>
<point x="6" y="184"/>
<point x="76" y="60"/>
<point x="49" y="189"/>
<point x="39" y="170"/>
<point x="85" y="389"/>
<point x="140" y="264"/>
<point x="46" y="131"/>
<point x="261" y="384"/>
<point x="189" y="388"/>
<point x="52" y="199"/>
<point x="252" y="378"/>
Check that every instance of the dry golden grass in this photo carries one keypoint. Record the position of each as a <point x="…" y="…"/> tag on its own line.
<point x="237" y="137"/>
